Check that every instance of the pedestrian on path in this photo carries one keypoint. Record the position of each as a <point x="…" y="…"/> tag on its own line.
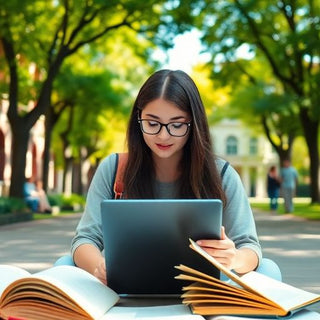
<point x="273" y="187"/>
<point x="289" y="182"/>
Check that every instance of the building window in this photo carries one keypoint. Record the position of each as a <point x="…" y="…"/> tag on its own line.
<point x="253" y="146"/>
<point x="232" y="146"/>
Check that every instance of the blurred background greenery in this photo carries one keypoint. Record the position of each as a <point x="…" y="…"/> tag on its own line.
<point x="75" y="67"/>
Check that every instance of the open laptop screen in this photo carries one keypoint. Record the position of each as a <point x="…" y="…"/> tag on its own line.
<point x="145" y="239"/>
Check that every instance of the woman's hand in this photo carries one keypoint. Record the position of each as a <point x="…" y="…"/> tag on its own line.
<point x="241" y="260"/>
<point x="88" y="257"/>
<point x="100" y="271"/>
<point x="223" y="250"/>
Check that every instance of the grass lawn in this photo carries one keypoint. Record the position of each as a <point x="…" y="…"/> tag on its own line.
<point x="40" y="216"/>
<point x="302" y="207"/>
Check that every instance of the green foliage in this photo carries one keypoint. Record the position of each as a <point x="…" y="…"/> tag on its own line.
<point x="286" y="35"/>
<point x="265" y="100"/>
<point x="55" y="200"/>
<point x="268" y="53"/>
<point x="63" y="201"/>
<point x="12" y="205"/>
<point x="43" y="35"/>
<point x="93" y="103"/>
<point x="300" y="160"/>
<point x="96" y="91"/>
<point x="73" y="200"/>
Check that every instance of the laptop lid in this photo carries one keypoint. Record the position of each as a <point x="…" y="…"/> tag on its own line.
<point x="145" y="239"/>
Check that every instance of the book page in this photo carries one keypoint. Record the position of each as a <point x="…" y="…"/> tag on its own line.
<point x="90" y="293"/>
<point x="9" y="274"/>
<point x="231" y="275"/>
<point x="289" y="297"/>
<point x="170" y="312"/>
<point x="82" y="287"/>
<point x="212" y="291"/>
<point x="284" y="295"/>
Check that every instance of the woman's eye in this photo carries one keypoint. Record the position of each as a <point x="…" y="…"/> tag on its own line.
<point x="177" y="125"/>
<point x="153" y="123"/>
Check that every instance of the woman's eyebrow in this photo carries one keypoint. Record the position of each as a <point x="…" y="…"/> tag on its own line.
<point x="173" y="118"/>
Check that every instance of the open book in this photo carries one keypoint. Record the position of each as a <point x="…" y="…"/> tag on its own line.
<point x="67" y="292"/>
<point x="250" y="294"/>
<point x="61" y="292"/>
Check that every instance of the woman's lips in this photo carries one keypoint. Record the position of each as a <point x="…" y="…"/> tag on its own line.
<point x="163" y="146"/>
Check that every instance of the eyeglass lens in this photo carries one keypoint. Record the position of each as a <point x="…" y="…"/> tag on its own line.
<point x="177" y="129"/>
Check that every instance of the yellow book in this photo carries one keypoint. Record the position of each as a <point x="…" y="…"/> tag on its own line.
<point x="251" y="294"/>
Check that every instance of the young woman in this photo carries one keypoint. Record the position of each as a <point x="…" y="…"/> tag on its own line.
<point x="170" y="156"/>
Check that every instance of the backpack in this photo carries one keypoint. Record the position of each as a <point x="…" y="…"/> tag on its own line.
<point x="118" y="186"/>
<point x="121" y="161"/>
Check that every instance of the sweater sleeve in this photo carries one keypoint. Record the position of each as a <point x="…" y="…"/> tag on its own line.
<point x="237" y="216"/>
<point x="89" y="229"/>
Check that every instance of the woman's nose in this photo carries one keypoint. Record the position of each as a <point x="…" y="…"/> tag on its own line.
<point x="164" y="133"/>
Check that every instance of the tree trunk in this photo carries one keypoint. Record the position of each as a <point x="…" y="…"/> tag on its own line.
<point x="21" y="129"/>
<point x="283" y="153"/>
<point x="314" y="171"/>
<point x="19" y="148"/>
<point x="311" y="132"/>
<point x="67" y="175"/>
<point x="77" y="177"/>
<point x="47" y="146"/>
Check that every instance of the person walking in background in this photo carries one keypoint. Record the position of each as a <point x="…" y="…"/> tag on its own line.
<point x="273" y="187"/>
<point x="289" y="182"/>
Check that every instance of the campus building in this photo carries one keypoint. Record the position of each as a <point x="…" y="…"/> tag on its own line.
<point x="250" y="154"/>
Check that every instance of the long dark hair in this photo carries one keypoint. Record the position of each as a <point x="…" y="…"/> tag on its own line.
<point x="199" y="175"/>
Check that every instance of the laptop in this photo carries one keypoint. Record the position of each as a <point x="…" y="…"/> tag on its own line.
<point x="145" y="239"/>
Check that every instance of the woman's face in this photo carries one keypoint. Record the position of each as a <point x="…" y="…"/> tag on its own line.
<point x="162" y="144"/>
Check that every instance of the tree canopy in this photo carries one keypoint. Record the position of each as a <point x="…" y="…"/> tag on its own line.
<point x="266" y="54"/>
<point x="284" y="35"/>
<point x="45" y="34"/>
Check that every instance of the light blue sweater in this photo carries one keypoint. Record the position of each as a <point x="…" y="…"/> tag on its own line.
<point x="237" y="215"/>
<point x="289" y="177"/>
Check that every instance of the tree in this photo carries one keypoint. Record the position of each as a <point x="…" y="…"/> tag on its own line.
<point x="82" y="100"/>
<point x="46" y="33"/>
<point x="264" y="101"/>
<point x="99" y="89"/>
<point x="79" y="100"/>
<point x="286" y="34"/>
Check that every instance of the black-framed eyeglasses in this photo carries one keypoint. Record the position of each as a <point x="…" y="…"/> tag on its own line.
<point x="175" y="129"/>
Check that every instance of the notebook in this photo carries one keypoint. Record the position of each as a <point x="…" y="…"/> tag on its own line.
<point x="145" y="239"/>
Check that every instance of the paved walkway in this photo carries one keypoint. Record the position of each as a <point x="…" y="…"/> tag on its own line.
<point x="292" y="242"/>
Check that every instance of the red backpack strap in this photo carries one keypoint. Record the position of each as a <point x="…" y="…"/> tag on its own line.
<point x="118" y="186"/>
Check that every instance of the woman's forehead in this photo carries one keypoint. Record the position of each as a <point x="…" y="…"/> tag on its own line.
<point x="164" y="109"/>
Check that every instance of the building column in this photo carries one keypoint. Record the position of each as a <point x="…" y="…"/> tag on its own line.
<point x="261" y="182"/>
<point x="246" y="179"/>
